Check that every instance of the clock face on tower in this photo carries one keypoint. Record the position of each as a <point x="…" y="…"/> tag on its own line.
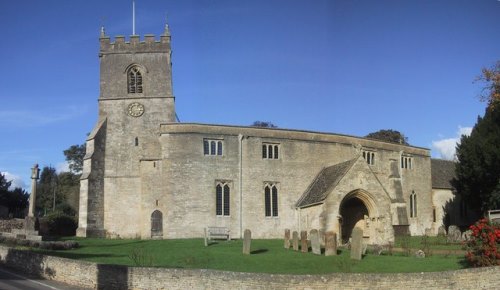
<point x="135" y="109"/>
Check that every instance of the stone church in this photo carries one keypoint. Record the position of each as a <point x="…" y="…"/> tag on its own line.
<point x="146" y="175"/>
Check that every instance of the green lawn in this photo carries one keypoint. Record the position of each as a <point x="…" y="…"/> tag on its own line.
<point x="434" y="243"/>
<point x="267" y="256"/>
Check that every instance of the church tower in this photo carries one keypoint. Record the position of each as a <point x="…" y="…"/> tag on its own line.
<point x="135" y="98"/>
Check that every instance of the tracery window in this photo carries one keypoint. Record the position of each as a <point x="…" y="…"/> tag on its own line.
<point x="271" y="200"/>
<point x="222" y="199"/>
<point x="134" y="80"/>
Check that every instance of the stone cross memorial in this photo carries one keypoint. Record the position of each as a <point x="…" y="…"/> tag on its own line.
<point x="295" y="241"/>
<point x="330" y="244"/>
<point x="315" y="244"/>
<point x="357" y="244"/>
<point x="30" y="220"/>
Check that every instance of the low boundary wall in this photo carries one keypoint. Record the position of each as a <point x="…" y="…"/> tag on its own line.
<point x="98" y="276"/>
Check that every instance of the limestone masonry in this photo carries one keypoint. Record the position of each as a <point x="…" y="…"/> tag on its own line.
<point x="146" y="175"/>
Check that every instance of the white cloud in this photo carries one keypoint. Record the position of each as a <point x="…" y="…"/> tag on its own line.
<point x="446" y="147"/>
<point x="16" y="180"/>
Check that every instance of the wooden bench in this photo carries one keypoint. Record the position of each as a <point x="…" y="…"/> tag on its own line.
<point x="214" y="233"/>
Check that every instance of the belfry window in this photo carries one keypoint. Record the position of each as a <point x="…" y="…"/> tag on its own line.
<point x="271" y="200"/>
<point x="212" y="147"/>
<point x="270" y="151"/>
<point x="406" y="162"/>
<point x="413" y="204"/>
<point x="134" y="77"/>
<point x="369" y="156"/>
<point x="222" y="199"/>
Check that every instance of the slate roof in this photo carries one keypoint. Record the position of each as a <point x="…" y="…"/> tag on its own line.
<point x="326" y="179"/>
<point x="442" y="171"/>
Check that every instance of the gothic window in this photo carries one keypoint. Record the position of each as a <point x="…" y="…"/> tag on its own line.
<point x="413" y="204"/>
<point x="271" y="200"/>
<point x="156" y="224"/>
<point x="222" y="199"/>
<point x="270" y="151"/>
<point x="212" y="147"/>
<point x="134" y="78"/>
<point x="369" y="156"/>
<point x="406" y="162"/>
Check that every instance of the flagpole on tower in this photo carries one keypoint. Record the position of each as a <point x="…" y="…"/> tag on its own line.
<point x="133" y="17"/>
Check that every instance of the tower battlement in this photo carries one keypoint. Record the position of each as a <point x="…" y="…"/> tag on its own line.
<point x="149" y="44"/>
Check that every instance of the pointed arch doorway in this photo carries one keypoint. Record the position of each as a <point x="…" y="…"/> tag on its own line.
<point x="354" y="209"/>
<point x="157" y="224"/>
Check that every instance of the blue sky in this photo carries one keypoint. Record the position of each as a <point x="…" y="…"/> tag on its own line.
<point x="348" y="66"/>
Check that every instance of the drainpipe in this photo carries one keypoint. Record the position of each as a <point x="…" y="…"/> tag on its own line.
<point x="240" y="165"/>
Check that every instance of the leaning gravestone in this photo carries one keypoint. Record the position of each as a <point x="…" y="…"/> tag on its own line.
<point x="356" y="244"/>
<point x="295" y="241"/>
<point x="304" y="247"/>
<point x="287" y="239"/>
<point x="247" y="239"/>
<point x="441" y="231"/>
<point x="315" y="245"/>
<point x="330" y="244"/>
<point x="454" y="234"/>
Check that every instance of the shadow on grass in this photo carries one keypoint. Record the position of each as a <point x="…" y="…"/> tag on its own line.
<point x="259" y="251"/>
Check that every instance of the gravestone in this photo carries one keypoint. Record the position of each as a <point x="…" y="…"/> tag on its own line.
<point x="466" y="235"/>
<point x="322" y="237"/>
<point x="287" y="239"/>
<point x="247" y="239"/>
<point x="304" y="247"/>
<point x="330" y="244"/>
<point x="295" y="240"/>
<point x="420" y="254"/>
<point x="356" y="244"/>
<point x="315" y="244"/>
<point x="454" y="234"/>
<point x="441" y="231"/>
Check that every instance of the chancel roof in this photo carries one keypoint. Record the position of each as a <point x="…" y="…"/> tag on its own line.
<point x="326" y="179"/>
<point x="443" y="171"/>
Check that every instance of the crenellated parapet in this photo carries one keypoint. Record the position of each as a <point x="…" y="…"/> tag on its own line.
<point x="134" y="43"/>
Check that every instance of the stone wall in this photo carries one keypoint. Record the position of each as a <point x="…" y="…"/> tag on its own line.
<point x="87" y="274"/>
<point x="8" y="225"/>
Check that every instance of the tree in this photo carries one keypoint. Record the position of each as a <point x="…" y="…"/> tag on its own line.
<point x="74" y="155"/>
<point x="478" y="172"/>
<point x="15" y="200"/>
<point x="389" y="135"/>
<point x="263" y="124"/>
<point x="46" y="189"/>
